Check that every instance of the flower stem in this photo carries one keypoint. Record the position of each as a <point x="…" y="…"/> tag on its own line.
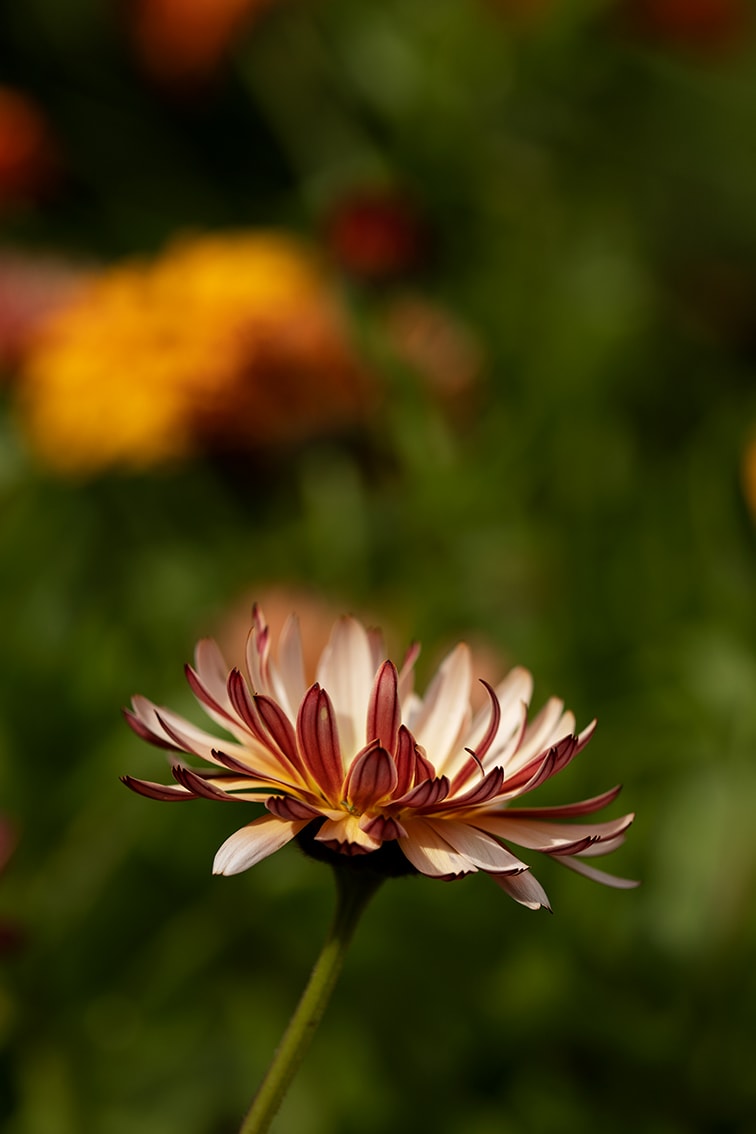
<point x="355" y="888"/>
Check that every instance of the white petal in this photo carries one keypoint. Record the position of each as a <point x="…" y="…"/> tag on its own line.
<point x="346" y="672"/>
<point x="255" y="842"/>
<point x="538" y="834"/>
<point x="446" y="706"/>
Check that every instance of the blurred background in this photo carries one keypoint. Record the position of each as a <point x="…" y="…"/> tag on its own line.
<point x="442" y="312"/>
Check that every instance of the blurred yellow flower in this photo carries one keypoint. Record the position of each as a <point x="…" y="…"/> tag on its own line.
<point x="225" y="341"/>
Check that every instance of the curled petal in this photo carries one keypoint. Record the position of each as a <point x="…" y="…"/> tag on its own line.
<point x="426" y="794"/>
<point x="405" y="761"/>
<point x="144" y="732"/>
<point x="287" y="808"/>
<point x="164" y="793"/>
<point x="372" y="777"/>
<point x="488" y="788"/>
<point x="197" y="784"/>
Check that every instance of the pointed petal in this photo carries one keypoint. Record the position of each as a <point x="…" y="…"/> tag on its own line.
<point x="162" y="792"/>
<point x="598" y="875"/>
<point x="279" y="728"/>
<point x="255" y="842"/>
<point x="405" y="761"/>
<point x="550" y="838"/>
<point x="524" y="888"/>
<point x="346" y="671"/>
<point x="383" y="715"/>
<point x="445" y="707"/>
<point x="319" y="742"/>
<point x="584" y="807"/>
<point x="290" y="672"/>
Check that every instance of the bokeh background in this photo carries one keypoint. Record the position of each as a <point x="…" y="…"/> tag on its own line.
<point x="442" y="312"/>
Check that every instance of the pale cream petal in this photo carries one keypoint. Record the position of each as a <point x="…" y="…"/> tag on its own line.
<point x="597" y="875"/>
<point x="287" y="675"/>
<point x="446" y="707"/>
<point x="345" y="671"/>
<point x="255" y="842"/>
<point x="212" y="670"/>
<point x="486" y="853"/>
<point x="550" y="725"/>
<point x="430" y="853"/>
<point x="524" y="888"/>
<point x="538" y="834"/>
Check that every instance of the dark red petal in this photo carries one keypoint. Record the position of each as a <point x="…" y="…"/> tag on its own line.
<point x="284" y="807"/>
<point x="426" y="794"/>
<point x="197" y="784"/>
<point x="567" y="810"/>
<point x="371" y="778"/>
<point x="279" y="728"/>
<point x="384" y="714"/>
<point x="319" y="741"/>
<point x="488" y="788"/>
<point x="162" y="792"/>
<point x="145" y="733"/>
<point x="405" y="761"/>
<point x="242" y="701"/>
<point x="384" y="828"/>
<point x="203" y="695"/>
<point x="476" y="756"/>
<point x="424" y="770"/>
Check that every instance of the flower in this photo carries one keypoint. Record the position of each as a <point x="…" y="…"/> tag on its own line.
<point x="376" y="233"/>
<point x="28" y="154"/>
<point x="358" y="765"/>
<point x="225" y="342"/>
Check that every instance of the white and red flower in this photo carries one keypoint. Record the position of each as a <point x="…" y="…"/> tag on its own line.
<point x="358" y="764"/>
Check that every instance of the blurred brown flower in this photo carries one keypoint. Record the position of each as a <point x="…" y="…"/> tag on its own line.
<point x="376" y="233"/>
<point x="223" y="343"/>
<point x="28" y="154"/>
<point x="708" y="28"/>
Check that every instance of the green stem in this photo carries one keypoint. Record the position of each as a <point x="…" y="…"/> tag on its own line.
<point x="355" y="888"/>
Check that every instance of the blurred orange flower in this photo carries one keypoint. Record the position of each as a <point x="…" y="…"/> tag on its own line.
<point x="749" y="476"/>
<point x="28" y="155"/>
<point x="224" y="342"/>
<point x="184" y="41"/>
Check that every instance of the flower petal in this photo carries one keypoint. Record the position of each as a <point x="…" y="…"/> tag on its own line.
<point x="598" y="875"/>
<point x="486" y="853"/>
<point x="255" y="842"/>
<point x="164" y="793"/>
<point x="319" y="742"/>
<point x="346" y="671"/>
<point x="371" y="778"/>
<point x="445" y="707"/>
<point x="524" y="888"/>
<point x="384" y="715"/>
<point x="430" y="853"/>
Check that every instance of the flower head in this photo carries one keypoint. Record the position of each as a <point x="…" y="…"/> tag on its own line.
<point x="358" y="764"/>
